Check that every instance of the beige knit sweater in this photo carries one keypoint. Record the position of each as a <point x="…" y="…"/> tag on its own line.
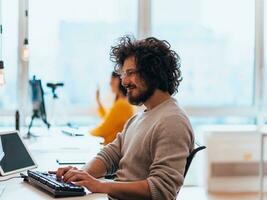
<point x="154" y="145"/>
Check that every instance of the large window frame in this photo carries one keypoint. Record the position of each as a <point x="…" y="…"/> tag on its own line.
<point x="257" y="110"/>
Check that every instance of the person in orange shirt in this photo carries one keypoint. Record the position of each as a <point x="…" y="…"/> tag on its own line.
<point x="114" y="119"/>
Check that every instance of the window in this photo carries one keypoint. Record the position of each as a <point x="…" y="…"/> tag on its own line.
<point x="265" y="59"/>
<point x="70" y="41"/>
<point x="215" y="40"/>
<point x="74" y="42"/>
<point x="265" y="88"/>
<point x="9" y="44"/>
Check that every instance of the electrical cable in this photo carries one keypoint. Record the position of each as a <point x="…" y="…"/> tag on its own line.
<point x="2" y="180"/>
<point x="20" y="176"/>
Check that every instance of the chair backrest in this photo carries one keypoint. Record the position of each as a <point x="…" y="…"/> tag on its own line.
<point x="190" y="158"/>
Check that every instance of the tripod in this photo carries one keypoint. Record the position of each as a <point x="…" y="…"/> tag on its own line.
<point x="55" y="98"/>
<point x="34" y="116"/>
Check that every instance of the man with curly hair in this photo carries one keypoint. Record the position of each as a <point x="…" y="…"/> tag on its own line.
<point x="149" y="156"/>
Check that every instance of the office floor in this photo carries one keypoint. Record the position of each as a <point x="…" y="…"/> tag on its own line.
<point x="199" y="193"/>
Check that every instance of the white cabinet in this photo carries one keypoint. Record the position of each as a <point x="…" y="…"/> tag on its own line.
<point x="232" y="159"/>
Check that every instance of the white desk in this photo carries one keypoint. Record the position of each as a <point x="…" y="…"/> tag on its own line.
<point x="45" y="150"/>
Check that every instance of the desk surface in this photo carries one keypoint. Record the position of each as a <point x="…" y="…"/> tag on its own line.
<point x="52" y="145"/>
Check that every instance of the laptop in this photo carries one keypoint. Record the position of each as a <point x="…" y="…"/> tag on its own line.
<point x="14" y="155"/>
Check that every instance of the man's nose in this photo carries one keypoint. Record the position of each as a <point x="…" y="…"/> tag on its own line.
<point x="125" y="81"/>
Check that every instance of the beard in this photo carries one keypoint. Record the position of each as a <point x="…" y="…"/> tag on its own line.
<point x="142" y="97"/>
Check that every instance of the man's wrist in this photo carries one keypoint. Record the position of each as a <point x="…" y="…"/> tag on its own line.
<point x="102" y="187"/>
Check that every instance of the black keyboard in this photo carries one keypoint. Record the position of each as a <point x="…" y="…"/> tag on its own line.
<point x="57" y="188"/>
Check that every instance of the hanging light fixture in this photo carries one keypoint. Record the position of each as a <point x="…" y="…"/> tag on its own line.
<point x="25" y="50"/>
<point x="2" y="75"/>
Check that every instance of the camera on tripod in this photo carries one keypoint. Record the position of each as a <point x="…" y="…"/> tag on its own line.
<point x="38" y="102"/>
<point x="53" y="87"/>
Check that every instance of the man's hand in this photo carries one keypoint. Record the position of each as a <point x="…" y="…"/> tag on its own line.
<point x="78" y="177"/>
<point x="61" y="171"/>
<point x="82" y="178"/>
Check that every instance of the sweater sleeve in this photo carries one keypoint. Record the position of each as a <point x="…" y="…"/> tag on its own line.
<point x="170" y="146"/>
<point x="111" y="153"/>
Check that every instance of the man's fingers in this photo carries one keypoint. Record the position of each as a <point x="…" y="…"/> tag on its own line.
<point x="69" y="174"/>
<point x="61" y="171"/>
<point x="79" y="183"/>
<point x="75" y="177"/>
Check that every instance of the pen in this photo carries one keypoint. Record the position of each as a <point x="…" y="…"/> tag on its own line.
<point x="70" y="163"/>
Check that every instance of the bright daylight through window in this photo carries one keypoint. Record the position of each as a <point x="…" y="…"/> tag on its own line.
<point x="217" y="57"/>
<point x="73" y="46"/>
<point x="9" y="52"/>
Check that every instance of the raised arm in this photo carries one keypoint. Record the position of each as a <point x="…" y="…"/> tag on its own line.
<point x="101" y="110"/>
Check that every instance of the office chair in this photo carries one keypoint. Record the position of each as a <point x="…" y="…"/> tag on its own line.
<point x="191" y="156"/>
<point x="187" y="165"/>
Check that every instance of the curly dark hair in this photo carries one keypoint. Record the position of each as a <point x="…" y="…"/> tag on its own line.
<point x="157" y="64"/>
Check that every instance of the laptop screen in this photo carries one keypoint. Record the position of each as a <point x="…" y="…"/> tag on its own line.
<point x="1" y="150"/>
<point x="15" y="154"/>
